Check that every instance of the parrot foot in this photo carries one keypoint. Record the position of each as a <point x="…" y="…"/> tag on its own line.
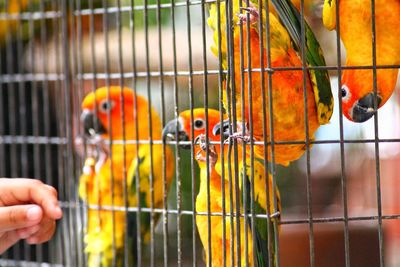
<point x="212" y="154"/>
<point x="239" y="135"/>
<point x="240" y="138"/>
<point x="252" y="11"/>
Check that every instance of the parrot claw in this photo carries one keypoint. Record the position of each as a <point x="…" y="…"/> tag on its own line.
<point x="241" y="136"/>
<point x="212" y="154"/>
<point x="252" y="11"/>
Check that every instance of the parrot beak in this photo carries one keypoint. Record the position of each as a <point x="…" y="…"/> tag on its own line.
<point x="222" y="128"/>
<point x="91" y="123"/>
<point x="169" y="132"/>
<point x="364" y="109"/>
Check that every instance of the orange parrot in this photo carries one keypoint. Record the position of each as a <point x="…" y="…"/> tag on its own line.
<point x="287" y="85"/>
<point x="103" y="179"/>
<point x="213" y="174"/>
<point x="358" y="96"/>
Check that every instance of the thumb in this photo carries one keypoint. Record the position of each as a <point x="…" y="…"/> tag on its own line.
<point x="19" y="216"/>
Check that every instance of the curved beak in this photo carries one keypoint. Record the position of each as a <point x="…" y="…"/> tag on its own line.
<point x="91" y="123"/>
<point x="222" y="128"/>
<point x="174" y="129"/>
<point x="364" y="109"/>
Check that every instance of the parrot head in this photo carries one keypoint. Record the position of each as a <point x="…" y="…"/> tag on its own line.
<point x="113" y="105"/>
<point x="183" y="125"/>
<point x="358" y="95"/>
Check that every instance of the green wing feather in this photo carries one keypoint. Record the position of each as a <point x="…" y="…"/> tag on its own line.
<point x="263" y="246"/>
<point x="291" y="19"/>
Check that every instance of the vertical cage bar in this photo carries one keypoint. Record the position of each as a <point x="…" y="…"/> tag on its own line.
<point x="250" y="180"/>
<point x="23" y="125"/>
<point x="109" y="121"/>
<point x="234" y="126"/>
<point x="270" y="127"/>
<point x="69" y="155"/>
<point x="191" y="106"/>
<point x="124" y="167"/>
<point x="135" y="112"/>
<point x="148" y="85"/>
<point x="164" y="145"/>
<point x="63" y="233"/>
<point x="74" y="198"/>
<point x="22" y="99"/>
<point x="343" y="175"/>
<point x="12" y="125"/>
<point x="205" y="99"/>
<point x="81" y="209"/>
<point x="221" y="119"/>
<point x="177" y="153"/>
<point x="243" y="126"/>
<point x="37" y="122"/>
<point x="229" y="96"/>
<point x="376" y="139"/>
<point x="307" y="141"/>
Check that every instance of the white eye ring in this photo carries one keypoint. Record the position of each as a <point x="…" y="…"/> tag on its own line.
<point x="106" y="105"/>
<point x="198" y="124"/>
<point x="345" y="93"/>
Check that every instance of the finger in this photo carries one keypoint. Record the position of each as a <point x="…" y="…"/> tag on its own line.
<point x="28" y="231"/>
<point x="20" y="216"/>
<point x="46" y="231"/>
<point x="7" y="240"/>
<point x="17" y="191"/>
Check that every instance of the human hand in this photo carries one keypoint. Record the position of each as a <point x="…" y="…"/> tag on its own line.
<point x="28" y="210"/>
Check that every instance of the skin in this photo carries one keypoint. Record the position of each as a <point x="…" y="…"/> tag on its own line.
<point x="28" y="210"/>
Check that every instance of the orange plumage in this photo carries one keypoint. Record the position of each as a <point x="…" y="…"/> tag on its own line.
<point x="215" y="196"/>
<point x="110" y="113"/>
<point x="287" y="94"/>
<point x="356" y="33"/>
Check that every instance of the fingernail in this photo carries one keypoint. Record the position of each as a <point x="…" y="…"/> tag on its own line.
<point x="58" y="212"/>
<point x="34" y="213"/>
<point x="31" y="240"/>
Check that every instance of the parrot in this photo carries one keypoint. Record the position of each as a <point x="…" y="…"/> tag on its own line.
<point x="213" y="174"/>
<point x="109" y="113"/>
<point x="11" y="7"/>
<point x="359" y="101"/>
<point x="287" y="85"/>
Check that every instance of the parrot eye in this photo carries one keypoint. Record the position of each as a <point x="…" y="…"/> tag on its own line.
<point x="345" y="92"/>
<point x="106" y="105"/>
<point x="198" y="124"/>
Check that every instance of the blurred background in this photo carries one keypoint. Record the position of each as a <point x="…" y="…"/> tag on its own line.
<point x="54" y="52"/>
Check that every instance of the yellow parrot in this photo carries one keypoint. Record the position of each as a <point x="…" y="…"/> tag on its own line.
<point x="288" y="98"/>
<point x="215" y="197"/>
<point x="358" y="96"/>
<point x="9" y="26"/>
<point x="109" y="113"/>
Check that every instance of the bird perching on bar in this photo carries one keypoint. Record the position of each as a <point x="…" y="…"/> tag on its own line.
<point x="212" y="199"/>
<point x="289" y="102"/>
<point x="359" y="98"/>
<point x="115" y="114"/>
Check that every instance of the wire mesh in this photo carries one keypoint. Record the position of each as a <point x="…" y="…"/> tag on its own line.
<point x="54" y="53"/>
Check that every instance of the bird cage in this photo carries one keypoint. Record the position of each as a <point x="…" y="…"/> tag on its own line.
<point x="142" y="181"/>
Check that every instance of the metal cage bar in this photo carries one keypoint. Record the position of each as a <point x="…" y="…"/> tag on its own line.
<point x="34" y="93"/>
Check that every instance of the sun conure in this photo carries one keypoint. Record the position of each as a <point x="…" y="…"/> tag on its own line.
<point x="359" y="101"/>
<point x="215" y="196"/>
<point x="109" y="114"/>
<point x="288" y="91"/>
